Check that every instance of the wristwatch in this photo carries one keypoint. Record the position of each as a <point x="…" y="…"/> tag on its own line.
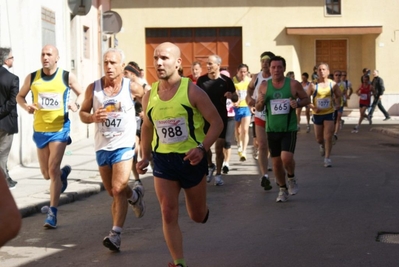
<point x="201" y="146"/>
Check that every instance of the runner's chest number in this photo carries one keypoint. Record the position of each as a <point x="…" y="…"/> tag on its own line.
<point x="172" y="130"/>
<point x="280" y="106"/>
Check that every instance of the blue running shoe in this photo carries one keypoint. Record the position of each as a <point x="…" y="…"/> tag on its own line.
<point x="65" y="171"/>
<point x="51" y="220"/>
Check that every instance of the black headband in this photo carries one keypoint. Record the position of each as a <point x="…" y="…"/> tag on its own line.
<point x="131" y="69"/>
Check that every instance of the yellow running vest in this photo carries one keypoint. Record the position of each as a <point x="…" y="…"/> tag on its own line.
<point x="51" y="95"/>
<point x="323" y="99"/>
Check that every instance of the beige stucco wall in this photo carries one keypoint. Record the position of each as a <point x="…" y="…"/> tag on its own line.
<point x="263" y="28"/>
<point x="21" y="29"/>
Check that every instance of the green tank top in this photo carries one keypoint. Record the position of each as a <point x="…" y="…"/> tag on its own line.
<point x="178" y="126"/>
<point x="280" y="116"/>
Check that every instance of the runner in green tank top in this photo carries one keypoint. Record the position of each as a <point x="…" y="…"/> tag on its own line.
<point x="280" y="95"/>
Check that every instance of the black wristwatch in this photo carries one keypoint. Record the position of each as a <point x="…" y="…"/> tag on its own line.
<point x="201" y="146"/>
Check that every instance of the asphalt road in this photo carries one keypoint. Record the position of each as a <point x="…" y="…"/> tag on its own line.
<point x="333" y="221"/>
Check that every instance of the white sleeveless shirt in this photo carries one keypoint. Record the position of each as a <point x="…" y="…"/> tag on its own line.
<point x="259" y="79"/>
<point x="119" y="129"/>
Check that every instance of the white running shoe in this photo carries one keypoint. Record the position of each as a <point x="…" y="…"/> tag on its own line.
<point x="112" y="241"/>
<point x="138" y="206"/>
<point x="292" y="186"/>
<point x="282" y="195"/>
<point x="322" y="150"/>
<point x="355" y="130"/>
<point x="211" y="169"/>
<point x="327" y="163"/>
<point x="218" y="180"/>
<point x="308" y="128"/>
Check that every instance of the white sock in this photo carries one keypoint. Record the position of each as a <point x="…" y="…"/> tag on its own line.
<point x="134" y="196"/>
<point x="117" y="229"/>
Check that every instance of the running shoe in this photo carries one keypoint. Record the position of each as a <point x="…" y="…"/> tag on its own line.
<point x="334" y="139"/>
<point x="269" y="168"/>
<point x="218" y="180"/>
<point x="292" y="186"/>
<point x="327" y="163"/>
<point x="243" y="157"/>
<point x="11" y="183"/>
<point x="341" y="124"/>
<point x="174" y="265"/>
<point x="65" y="171"/>
<point x="308" y="128"/>
<point x="265" y="182"/>
<point x="51" y="220"/>
<point x="211" y="169"/>
<point x="370" y="119"/>
<point x="137" y="183"/>
<point x="138" y="206"/>
<point x="387" y="118"/>
<point x="282" y="195"/>
<point x="255" y="153"/>
<point x="322" y="150"/>
<point x="225" y="169"/>
<point x="355" y="130"/>
<point x="112" y="241"/>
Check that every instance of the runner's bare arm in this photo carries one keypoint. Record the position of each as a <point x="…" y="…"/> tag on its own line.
<point x="250" y="92"/>
<point x="260" y="103"/>
<point x="77" y="89"/>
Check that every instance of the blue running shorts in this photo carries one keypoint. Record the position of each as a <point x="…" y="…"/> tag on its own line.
<point x="42" y="139"/>
<point x="241" y="112"/>
<point x="105" y="157"/>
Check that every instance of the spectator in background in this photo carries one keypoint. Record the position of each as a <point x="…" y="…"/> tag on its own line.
<point x="379" y="89"/>
<point x="196" y="71"/>
<point x="9" y="87"/>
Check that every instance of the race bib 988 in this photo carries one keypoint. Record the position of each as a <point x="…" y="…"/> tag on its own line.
<point x="171" y="130"/>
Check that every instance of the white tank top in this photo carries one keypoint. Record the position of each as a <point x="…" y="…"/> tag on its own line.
<point x="259" y="79"/>
<point x="119" y="130"/>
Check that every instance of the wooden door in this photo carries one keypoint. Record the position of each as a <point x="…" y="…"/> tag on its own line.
<point x="196" y="44"/>
<point x="332" y="52"/>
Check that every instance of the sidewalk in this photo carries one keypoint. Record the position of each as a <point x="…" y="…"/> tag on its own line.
<point x="32" y="191"/>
